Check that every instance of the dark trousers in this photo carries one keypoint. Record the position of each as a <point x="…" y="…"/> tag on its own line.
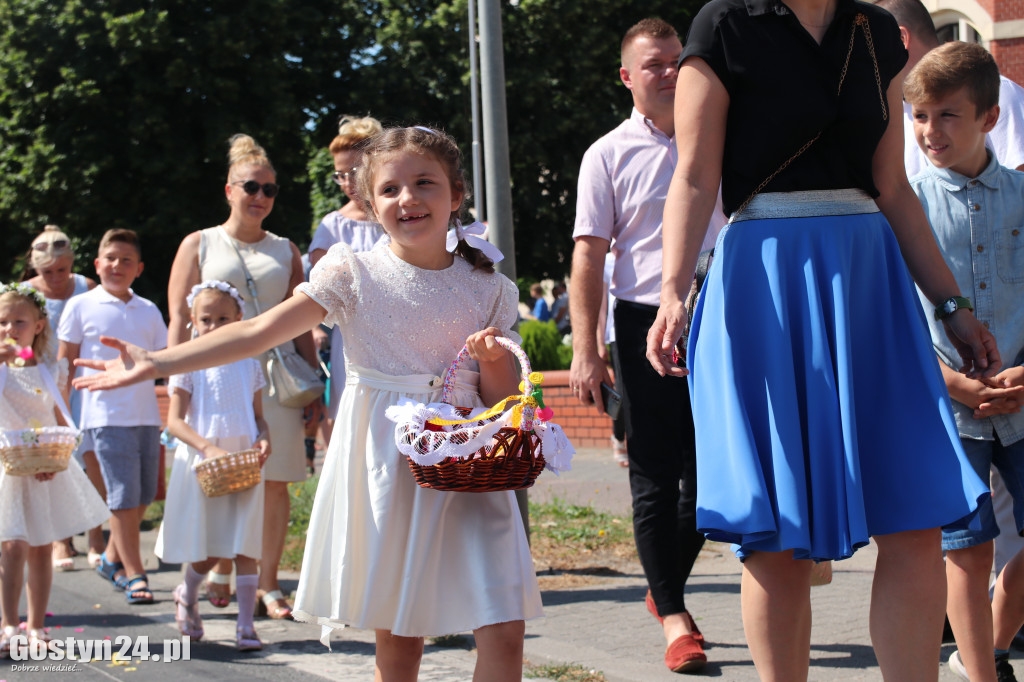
<point x="662" y="463"/>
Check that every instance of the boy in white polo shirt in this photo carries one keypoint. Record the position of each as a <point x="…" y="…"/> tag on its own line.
<point x="124" y="424"/>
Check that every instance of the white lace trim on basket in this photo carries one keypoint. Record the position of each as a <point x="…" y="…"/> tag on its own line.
<point x="39" y="436"/>
<point x="429" y="447"/>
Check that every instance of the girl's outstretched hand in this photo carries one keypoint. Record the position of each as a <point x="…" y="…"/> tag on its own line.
<point x="975" y="344"/>
<point x="132" y="366"/>
<point x="482" y="346"/>
<point x="46" y="476"/>
<point x="662" y="338"/>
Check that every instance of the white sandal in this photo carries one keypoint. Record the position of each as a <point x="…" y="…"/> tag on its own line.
<point x="5" y="640"/>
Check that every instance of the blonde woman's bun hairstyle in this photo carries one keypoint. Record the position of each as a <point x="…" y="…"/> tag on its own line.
<point x="245" y="151"/>
<point x="48" y="247"/>
<point x="353" y="131"/>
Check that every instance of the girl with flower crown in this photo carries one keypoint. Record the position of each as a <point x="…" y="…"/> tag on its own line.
<point x="35" y="510"/>
<point x="213" y="412"/>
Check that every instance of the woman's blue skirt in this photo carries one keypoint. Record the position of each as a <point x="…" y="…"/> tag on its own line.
<point x="821" y="416"/>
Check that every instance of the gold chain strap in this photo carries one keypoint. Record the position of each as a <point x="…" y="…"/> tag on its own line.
<point x="862" y="21"/>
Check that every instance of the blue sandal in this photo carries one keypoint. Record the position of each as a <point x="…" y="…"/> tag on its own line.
<point x="107" y="569"/>
<point x="127" y="583"/>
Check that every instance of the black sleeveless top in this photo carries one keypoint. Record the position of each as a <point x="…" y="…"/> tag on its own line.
<point x="782" y="87"/>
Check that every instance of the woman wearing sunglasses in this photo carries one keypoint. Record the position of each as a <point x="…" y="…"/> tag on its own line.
<point x="53" y="261"/>
<point x="349" y="224"/>
<point x="275" y="265"/>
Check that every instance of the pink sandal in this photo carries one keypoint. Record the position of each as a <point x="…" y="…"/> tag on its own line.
<point x="246" y="639"/>
<point x="187" y="615"/>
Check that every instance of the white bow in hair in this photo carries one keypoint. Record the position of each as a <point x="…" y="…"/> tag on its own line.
<point x="473" y="234"/>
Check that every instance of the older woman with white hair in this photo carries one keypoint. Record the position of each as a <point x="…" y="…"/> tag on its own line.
<point x="53" y="260"/>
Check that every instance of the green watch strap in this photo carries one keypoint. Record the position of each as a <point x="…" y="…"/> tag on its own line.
<point x="951" y="305"/>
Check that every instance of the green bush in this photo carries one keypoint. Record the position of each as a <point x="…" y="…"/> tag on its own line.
<point x="564" y="356"/>
<point x="541" y="341"/>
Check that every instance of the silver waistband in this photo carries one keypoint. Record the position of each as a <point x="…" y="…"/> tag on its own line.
<point x="807" y="204"/>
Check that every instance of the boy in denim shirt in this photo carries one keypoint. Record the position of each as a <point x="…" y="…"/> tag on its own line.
<point x="976" y="209"/>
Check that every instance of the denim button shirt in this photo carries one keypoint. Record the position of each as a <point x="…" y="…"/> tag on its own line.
<point x="979" y="225"/>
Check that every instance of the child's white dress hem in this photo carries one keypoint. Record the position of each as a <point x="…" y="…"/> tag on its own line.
<point x="197" y="527"/>
<point x="41" y="512"/>
<point x="384" y="553"/>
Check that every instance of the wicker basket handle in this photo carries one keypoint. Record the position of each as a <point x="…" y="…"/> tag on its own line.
<point x="524" y="363"/>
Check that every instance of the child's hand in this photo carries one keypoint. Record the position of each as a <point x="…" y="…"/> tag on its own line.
<point x="482" y="346"/>
<point x="49" y="476"/>
<point x="987" y="397"/>
<point x="263" y="445"/>
<point x="8" y="351"/>
<point x="1009" y="378"/>
<point x="211" y="451"/>
<point x="131" y="367"/>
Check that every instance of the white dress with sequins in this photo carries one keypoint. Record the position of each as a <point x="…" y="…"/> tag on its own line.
<point x="196" y="527"/>
<point x="40" y="512"/>
<point x="382" y="552"/>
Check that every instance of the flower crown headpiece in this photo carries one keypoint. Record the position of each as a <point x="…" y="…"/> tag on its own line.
<point x="27" y="291"/>
<point x="219" y="286"/>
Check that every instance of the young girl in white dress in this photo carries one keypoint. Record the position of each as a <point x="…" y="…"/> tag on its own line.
<point x="381" y="552"/>
<point x="213" y="412"/>
<point x="35" y="510"/>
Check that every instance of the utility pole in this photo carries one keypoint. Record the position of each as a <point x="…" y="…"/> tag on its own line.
<point x="497" y="169"/>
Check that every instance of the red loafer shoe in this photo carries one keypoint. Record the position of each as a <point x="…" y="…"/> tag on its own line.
<point x="649" y="601"/>
<point x="685" y="655"/>
<point x="694" y="630"/>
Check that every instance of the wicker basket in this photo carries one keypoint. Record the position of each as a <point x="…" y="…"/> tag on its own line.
<point x="44" y="450"/>
<point x="511" y="461"/>
<point x="230" y="473"/>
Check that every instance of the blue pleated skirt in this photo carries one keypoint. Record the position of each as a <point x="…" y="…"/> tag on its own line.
<point x="821" y="416"/>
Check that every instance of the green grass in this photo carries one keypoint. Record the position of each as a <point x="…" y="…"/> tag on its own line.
<point x="563" y="523"/>
<point x="301" y="493"/>
<point x="452" y="642"/>
<point x="563" y="672"/>
<point x="153" y="516"/>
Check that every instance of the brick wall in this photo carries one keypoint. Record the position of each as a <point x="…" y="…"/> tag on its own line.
<point x="585" y="427"/>
<point x="1009" y="54"/>
<point x="163" y="401"/>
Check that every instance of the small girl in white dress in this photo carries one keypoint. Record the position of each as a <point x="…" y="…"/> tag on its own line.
<point x="35" y="510"/>
<point x="381" y="552"/>
<point x="213" y="412"/>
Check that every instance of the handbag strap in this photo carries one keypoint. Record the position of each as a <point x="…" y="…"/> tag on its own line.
<point x="250" y="284"/>
<point x="862" y="21"/>
<point x="51" y="386"/>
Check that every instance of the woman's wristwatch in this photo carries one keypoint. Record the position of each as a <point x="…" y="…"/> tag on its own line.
<point x="951" y="305"/>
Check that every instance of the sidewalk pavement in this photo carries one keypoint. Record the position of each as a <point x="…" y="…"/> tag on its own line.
<point x="601" y="624"/>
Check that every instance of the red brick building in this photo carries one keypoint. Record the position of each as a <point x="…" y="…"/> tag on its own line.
<point x="996" y="24"/>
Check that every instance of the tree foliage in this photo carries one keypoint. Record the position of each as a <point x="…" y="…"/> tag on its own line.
<point x="116" y="113"/>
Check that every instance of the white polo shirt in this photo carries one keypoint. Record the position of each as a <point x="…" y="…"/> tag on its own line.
<point x="138" y="321"/>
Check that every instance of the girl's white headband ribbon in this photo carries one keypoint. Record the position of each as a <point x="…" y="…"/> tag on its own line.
<point x="473" y="234"/>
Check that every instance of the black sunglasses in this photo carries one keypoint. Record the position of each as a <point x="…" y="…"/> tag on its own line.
<point x="252" y="187"/>
<point x="44" y="246"/>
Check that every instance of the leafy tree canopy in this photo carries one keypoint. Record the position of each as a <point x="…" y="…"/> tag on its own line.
<point x="116" y="113"/>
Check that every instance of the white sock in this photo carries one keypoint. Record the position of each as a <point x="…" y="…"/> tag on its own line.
<point x="192" y="582"/>
<point x="245" y="593"/>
